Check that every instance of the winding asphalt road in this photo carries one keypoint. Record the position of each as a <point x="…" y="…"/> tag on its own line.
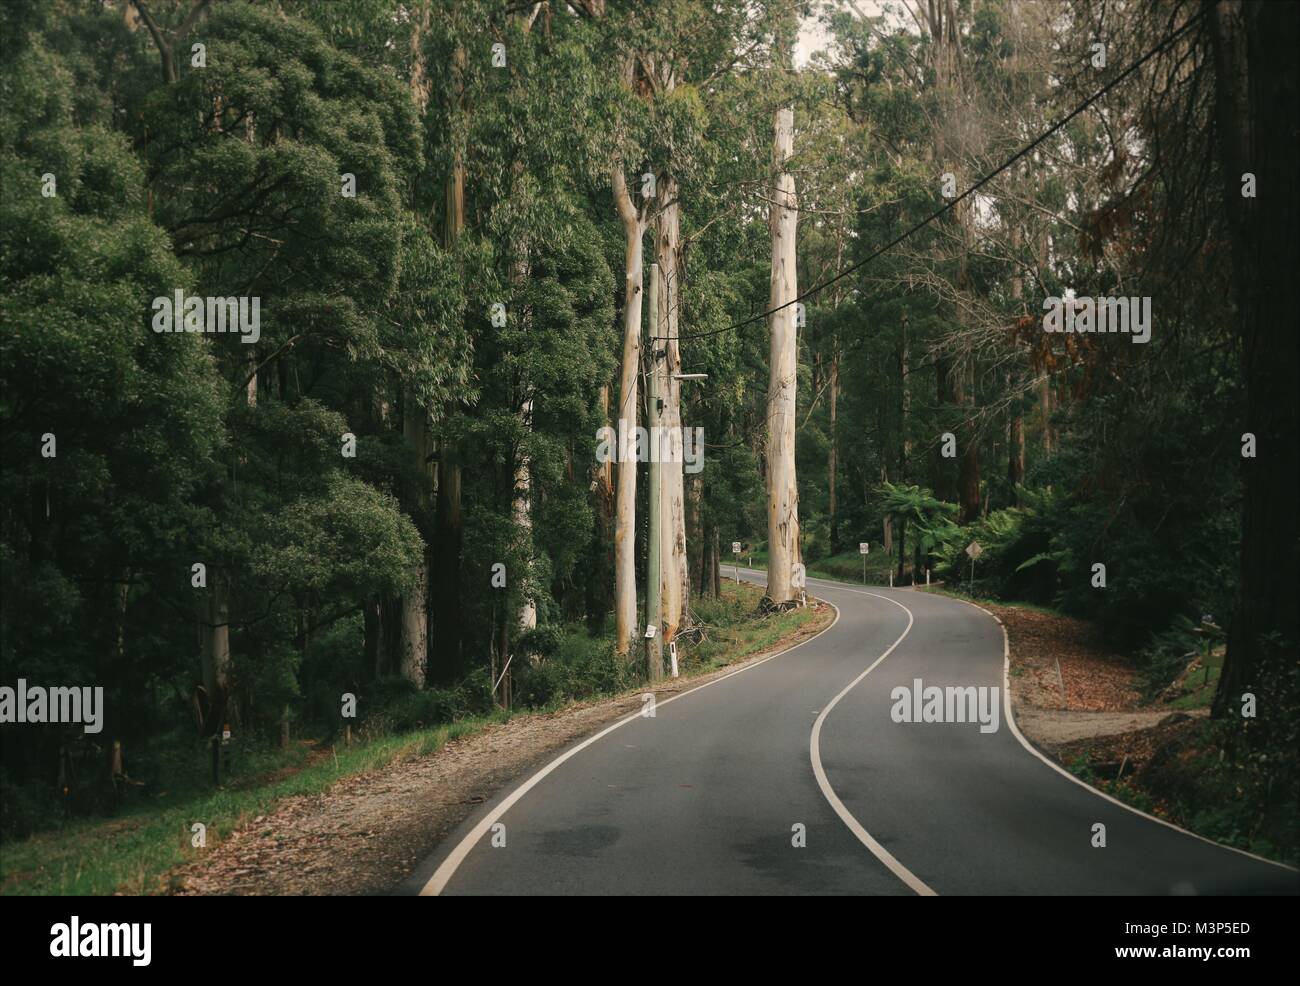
<point x="711" y="795"/>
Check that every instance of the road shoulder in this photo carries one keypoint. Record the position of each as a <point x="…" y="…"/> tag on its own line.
<point x="367" y="833"/>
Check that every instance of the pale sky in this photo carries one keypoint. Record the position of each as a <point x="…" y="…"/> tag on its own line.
<point x="813" y="35"/>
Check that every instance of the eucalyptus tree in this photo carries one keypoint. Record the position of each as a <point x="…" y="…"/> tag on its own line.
<point x="668" y="59"/>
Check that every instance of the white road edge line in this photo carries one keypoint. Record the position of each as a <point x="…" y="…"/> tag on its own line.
<point x="447" y="869"/>
<point x="1015" y="731"/>
<point x="814" y="750"/>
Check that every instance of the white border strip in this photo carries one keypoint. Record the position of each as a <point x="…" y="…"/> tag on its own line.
<point x="1015" y="731"/>
<point x="443" y="874"/>
<point x="814" y="750"/>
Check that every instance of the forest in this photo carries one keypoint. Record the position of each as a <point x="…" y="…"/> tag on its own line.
<point x="883" y="277"/>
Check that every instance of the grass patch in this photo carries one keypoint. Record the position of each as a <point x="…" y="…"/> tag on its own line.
<point x="1202" y="684"/>
<point x="732" y="632"/>
<point x="982" y="600"/>
<point x="128" y="854"/>
<point x="131" y="852"/>
<point x="844" y="567"/>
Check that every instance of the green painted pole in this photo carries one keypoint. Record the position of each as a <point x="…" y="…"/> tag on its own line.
<point x="654" y="582"/>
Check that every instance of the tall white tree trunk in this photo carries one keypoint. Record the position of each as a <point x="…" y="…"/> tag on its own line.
<point x="625" y="501"/>
<point x="675" y="570"/>
<point x="782" y="490"/>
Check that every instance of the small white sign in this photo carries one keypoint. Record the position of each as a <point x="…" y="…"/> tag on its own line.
<point x="735" y="547"/>
<point x="864" y="547"/>
<point x="225" y="734"/>
<point x="649" y="631"/>
<point x="974" y="550"/>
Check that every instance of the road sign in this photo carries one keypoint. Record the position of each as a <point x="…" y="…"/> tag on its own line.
<point x="649" y="631"/>
<point x="735" y="547"/>
<point x="864" y="547"/>
<point x="974" y="550"/>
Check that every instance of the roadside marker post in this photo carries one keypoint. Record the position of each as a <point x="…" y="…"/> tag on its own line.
<point x="735" y="550"/>
<point x="864" y="547"/>
<point x="974" y="551"/>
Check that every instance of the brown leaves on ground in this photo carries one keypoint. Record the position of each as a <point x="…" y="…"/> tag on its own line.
<point x="1101" y="720"/>
<point x="1138" y="746"/>
<point x="1095" y="678"/>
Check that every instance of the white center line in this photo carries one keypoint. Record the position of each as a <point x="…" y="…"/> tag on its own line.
<point x="814" y="749"/>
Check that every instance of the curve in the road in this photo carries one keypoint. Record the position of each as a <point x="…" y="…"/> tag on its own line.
<point x="814" y="752"/>
<point x="438" y="881"/>
<point x="703" y="798"/>
<point x="1015" y="731"/>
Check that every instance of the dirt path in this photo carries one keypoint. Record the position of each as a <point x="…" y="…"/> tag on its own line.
<point x="368" y="832"/>
<point x="1057" y="727"/>
<point x="1073" y="696"/>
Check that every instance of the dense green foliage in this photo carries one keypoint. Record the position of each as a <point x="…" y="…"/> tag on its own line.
<point x="474" y="436"/>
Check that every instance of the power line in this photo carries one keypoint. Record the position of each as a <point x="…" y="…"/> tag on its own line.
<point x="1168" y="40"/>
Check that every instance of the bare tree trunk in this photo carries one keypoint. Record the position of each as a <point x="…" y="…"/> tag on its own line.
<point x="905" y="403"/>
<point x="444" y="578"/>
<point x="250" y="390"/>
<point x="887" y="522"/>
<point x="782" y="489"/>
<point x="371" y="610"/>
<point x="1256" y="106"/>
<point x="414" y="626"/>
<point x="832" y="454"/>
<point x="522" y="514"/>
<point x="1016" y="454"/>
<point x="166" y="41"/>
<point x="695" y="533"/>
<point x="945" y="474"/>
<point x="215" y="654"/>
<point x="709" y="543"/>
<point x="968" y="473"/>
<point x="1045" y="408"/>
<point x="715" y="573"/>
<point x="675" y="572"/>
<point x="413" y="622"/>
<point x="625" y="503"/>
<point x="1016" y="425"/>
<point x="600" y="580"/>
<point x="902" y="550"/>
